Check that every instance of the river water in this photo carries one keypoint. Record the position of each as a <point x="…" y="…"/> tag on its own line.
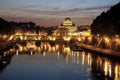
<point x="56" y="62"/>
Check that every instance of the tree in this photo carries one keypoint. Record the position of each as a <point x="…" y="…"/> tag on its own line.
<point x="5" y="27"/>
<point x="108" y="23"/>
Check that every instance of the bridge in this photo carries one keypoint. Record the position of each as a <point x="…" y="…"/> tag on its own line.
<point x="38" y="37"/>
<point x="25" y="37"/>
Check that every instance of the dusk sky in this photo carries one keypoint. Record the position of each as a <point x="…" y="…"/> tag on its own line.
<point x="53" y="12"/>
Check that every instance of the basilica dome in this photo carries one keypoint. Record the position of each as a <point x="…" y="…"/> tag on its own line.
<point x="67" y="18"/>
<point x="67" y="22"/>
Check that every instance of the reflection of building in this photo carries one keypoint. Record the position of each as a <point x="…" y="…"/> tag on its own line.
<point x="69" y="25"/>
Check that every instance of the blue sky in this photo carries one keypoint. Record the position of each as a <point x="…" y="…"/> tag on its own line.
<point x="53" y="12"/>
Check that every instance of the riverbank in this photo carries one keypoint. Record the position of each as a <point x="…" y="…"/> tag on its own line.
<point x="97" y="49"/>
<point x="5" y="45"/>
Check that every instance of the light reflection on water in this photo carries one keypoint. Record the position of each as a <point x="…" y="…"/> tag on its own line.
<point x="56" y="62"/>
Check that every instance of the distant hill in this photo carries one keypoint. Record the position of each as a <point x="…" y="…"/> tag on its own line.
<point x="108" y="23"/>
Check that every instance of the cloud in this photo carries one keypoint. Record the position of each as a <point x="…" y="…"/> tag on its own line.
<point x="57" y="12"/>
<point x="39" y="7"/>
<point x="53" y="15"/>
<point x="91" y="8"/>
<point x="45" y="11"/>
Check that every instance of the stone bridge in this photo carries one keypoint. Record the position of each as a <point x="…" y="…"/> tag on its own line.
<point x="30" y="37"/>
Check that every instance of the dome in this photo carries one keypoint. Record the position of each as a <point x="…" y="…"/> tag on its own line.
<point x="67" y="22"/>
<point x="67" y="18"/>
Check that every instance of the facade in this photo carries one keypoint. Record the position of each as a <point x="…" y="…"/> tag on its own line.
<point x="68" y="24"/>
<point x="68" y="28"/>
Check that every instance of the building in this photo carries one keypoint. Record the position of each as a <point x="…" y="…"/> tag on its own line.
<point x="68" y="28"/>
<point x="84" y="30"/>
<point x="68" y="24"/>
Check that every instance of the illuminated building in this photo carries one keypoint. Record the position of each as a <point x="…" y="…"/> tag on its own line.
<point x="72" y="29"/>
<point x="68" y="24"/>
<point x="84" y="30"/>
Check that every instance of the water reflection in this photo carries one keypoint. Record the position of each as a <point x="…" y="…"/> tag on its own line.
<point x="106" y="67"/>
<point x="5" y="59"/>
<point x="97" y="67"/>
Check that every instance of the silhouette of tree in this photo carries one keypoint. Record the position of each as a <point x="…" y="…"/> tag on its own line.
<point x="108" y="23"/>
<point x="5" y="27"/>
<point x="12" y="27"/>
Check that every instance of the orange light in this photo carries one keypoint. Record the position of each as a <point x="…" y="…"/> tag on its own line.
<point x="107" y="40"/>
<point x="86" y="33"/>
<point x="66" y="38"/>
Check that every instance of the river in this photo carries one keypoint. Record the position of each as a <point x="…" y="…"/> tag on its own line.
<point x="56" y="62"/>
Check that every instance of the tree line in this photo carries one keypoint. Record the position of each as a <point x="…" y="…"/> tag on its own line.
<point x="108" y="23"/>
<point x="10" y="27"/>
